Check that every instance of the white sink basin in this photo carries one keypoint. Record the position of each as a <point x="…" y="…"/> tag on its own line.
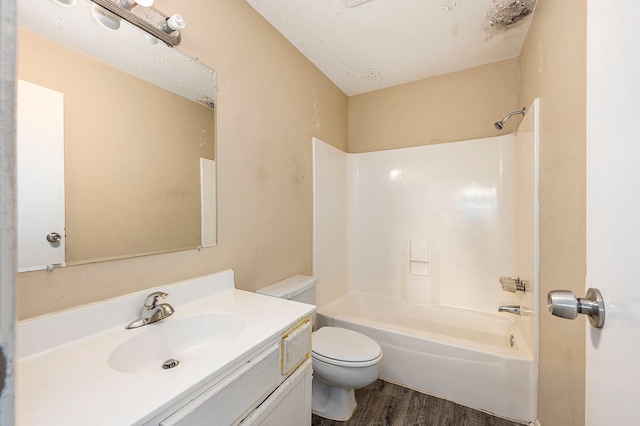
<point x="184" y="339"/>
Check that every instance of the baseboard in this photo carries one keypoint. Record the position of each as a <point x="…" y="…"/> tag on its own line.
<point x="536" y="423"/>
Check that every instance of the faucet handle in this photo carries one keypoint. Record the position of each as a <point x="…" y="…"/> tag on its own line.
<point x="152" y="299"/>
<point x="513" y="285"/>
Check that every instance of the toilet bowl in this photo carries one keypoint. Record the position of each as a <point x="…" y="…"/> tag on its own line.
<point x="342" y="360"/>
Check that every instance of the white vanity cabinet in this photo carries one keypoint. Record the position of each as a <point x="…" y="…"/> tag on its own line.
<point x="272" y="388"/>
<point x="290" y="404"/>
<point x="82" y="366"/>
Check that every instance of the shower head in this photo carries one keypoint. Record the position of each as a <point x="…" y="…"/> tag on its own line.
<point x="500" y="124"/>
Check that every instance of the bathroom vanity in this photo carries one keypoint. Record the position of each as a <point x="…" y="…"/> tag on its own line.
<point x="242" y="358"/>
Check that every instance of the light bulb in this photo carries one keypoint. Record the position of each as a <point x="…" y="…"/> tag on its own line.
<point x="173" y="23"/>
<point x="130" y="4"/>
<point x="105" y="18"/>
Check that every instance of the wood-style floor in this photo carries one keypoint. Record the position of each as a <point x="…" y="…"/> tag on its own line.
<point x="383" y="403"/>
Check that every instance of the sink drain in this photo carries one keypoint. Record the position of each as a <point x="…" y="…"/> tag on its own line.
<point x="170" y="363"/>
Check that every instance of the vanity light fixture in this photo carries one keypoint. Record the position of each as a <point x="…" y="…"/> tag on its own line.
<point x="173" y="23"/>
<point x="139" y="13"/>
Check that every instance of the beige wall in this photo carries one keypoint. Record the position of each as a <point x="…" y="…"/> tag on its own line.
<point x="132" y="155"/>
<point x="464" y="105"/>
<point x="271" y="101"/>
<point x="553" y="68"/>
<point x="452" y="107"/>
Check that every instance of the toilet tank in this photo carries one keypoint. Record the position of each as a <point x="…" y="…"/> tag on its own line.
<point x="301" y="288"/>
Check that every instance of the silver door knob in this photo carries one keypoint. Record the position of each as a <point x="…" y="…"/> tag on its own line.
<point x="54" y="237"/>
<point x="564" y="304"/>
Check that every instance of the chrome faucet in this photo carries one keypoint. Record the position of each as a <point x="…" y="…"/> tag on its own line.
<point x="512" y="309"/>
<point x="152" y="311"/>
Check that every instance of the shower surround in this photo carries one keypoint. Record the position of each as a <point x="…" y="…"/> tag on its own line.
<point x="409" y="246"/>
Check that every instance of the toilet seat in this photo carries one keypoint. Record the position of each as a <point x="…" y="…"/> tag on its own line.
<point x="343" y="347"/>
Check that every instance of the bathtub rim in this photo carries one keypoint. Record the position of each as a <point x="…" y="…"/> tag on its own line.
<point x="521" y="352"/>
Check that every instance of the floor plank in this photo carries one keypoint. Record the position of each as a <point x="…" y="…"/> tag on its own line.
<point x="386" y="404"/>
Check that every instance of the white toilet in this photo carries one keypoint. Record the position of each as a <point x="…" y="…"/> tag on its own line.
<point x="343" y="360"/>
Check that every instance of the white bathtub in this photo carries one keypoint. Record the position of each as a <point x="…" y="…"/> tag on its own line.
<point x="460" y="355"/>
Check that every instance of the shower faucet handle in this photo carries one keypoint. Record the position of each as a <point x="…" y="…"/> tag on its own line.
<point x="513" y="285"/>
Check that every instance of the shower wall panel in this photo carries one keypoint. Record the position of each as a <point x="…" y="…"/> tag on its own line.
<point x="449" y="204"/>
<point x="329" y="221"/>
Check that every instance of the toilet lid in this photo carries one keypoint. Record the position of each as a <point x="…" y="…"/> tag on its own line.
<point x="343" y="345"/>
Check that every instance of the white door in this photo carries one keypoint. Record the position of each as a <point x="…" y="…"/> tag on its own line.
<point x="613" y="210"/>
<point x="40" y="176"/>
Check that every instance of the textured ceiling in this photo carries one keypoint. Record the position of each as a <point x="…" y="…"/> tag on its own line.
<point x="382" y="43"/>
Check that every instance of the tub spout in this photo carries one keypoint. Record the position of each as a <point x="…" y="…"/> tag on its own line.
<point x="512" y="309"/>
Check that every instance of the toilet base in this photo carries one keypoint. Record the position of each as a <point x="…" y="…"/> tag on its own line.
<point x="331" y="402"/>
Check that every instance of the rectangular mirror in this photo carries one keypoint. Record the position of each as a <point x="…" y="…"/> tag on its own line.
<point x="139" y="140"/>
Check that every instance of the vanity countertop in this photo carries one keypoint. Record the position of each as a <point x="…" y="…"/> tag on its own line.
<point x="63" y="374"/>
